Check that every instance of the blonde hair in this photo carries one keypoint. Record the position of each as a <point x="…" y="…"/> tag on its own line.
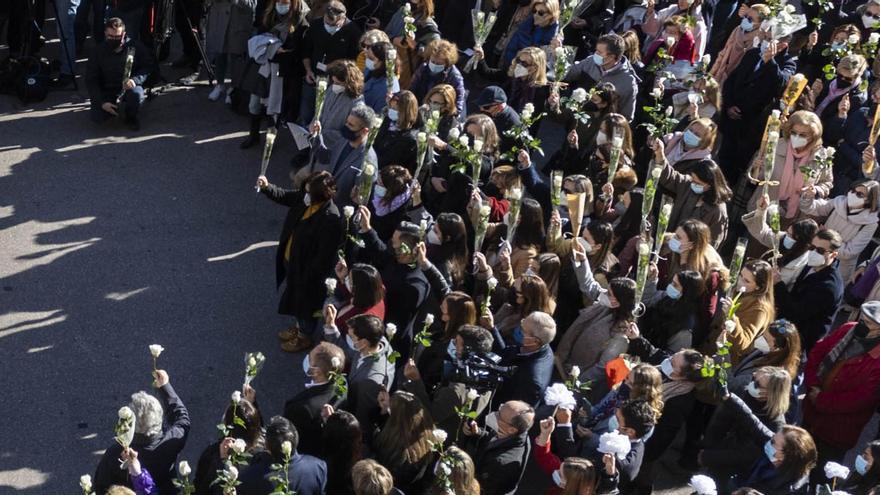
<point x="448" y="94"/>
<point x="447" y="50"/>
<point x="368" y="477"/>
<point x="762" y="10"/>
<point x="581" y="477"/>
<point x="805" y="118"/>
<point x="631" y="48"/>
<point x="778" y="390"/>
<point x="462" y="476"/>
<point x="119" y="490"/>
<point x="647" y="384"/>
<point x="552" y="7"/>
<point x="538" y="67"/>
<point x="855" y="63"/>
<point x="374" y="36"/>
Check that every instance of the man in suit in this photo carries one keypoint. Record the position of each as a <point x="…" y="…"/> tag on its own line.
<point x="307" y="475"/>
<point x="304" y="409"/>
<point x="815" y="296"/>
<point x="747" y="95"/>
<point x="345" y="163"/>
<point x="532" y="356"/>
<point x="500" y="451"/>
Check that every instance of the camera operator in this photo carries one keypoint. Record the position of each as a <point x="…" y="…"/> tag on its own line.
<point x="472" y="344"/>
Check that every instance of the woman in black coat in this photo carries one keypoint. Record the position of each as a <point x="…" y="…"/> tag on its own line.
<point x="396" y="142"/>
<point x="306" y="253"/>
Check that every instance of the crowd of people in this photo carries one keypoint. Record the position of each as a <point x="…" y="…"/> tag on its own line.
<point x="693" y="257"/>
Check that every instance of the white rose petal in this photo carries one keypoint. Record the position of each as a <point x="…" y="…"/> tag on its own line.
<point x="454" y="133"/>
<point x="85" y="482"/>
<point x="125" y="413"/>
<point x="703" y="485"/>
<point x="617" y="142"/>
<point x="472" y="394"/>
<point x="238" y="446"/>
<point x="575" y="371"/>
<point x="615" y="443"/>
<point x="478" y="145"/>
<point x="644" y="250"/>
<point x="444" y="468"/>
<point x="335" y="362"/>
<point x="835" y="470"/>
<point x="286" y="448"/>
<point x="429" y="319"/>
<point x="874" y="38"/>
<point x="853" y="39"/>
<point x="579" y="95"/>
<point x="706" y="59"/>
<point x="657" y="93"/>
<point x="655" y="172"/>
<point x="235" y="397"/>
<point x="369" y="169"/>
<point x="670" y="41"/>
<point x="776" y="114"/>
<point x="348" y="211"/>
<point x="322" y="85"/>
<point x="422" y="137"/>
<point x="463" y="140"/>
<point x="729" y="325"/>
<point x="668" y="111"/>
<point x="480" y="16"/>
<point x="439" y="435"/>
<point x="156" y="350"/>
<point x="559" y="52"/>
<point x="233" y="472"/>
<point x="390" y="330"/>
<point x="666" y="209"/>
<point x="435" y="114"/>
<point x="184" y="469"/>
<point x="559" y="395"/>
<point x="330" y="284"/>
<point x="492" y="283"/>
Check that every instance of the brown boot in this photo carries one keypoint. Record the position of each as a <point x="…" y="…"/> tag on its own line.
<point x="300" y="343"/>
<point x="289" y="333"/>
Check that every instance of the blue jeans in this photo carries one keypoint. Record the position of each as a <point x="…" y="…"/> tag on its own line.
<point x="66" y="20"/>
<point x="128" y="107"/>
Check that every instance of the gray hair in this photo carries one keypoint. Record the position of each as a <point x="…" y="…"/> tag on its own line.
<point x="543" y="326"/>
<point x="364" y="113"/>
<point x="148" y="414"/>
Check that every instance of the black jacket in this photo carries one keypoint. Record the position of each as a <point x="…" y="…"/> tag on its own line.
<point x="304" y="411"/>
<point x="322" y="47"/>
<point x="157" y="455"/>
<point x="499" y="463"/>
<point x="811" y="303"/>
<point x="752" y="91"/>
<point x="106" y="66"/>
<point x="396" y="147"/>
<point x="314" y="242"/>
<point x="307" y="475"/>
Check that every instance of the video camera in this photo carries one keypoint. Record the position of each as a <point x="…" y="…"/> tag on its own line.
<point x="481" y="372"/>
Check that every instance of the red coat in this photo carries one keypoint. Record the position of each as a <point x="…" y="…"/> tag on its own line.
<point x="844" y="407"/>
<point x="547" y="462"/>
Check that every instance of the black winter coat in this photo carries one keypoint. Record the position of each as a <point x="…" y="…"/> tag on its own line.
<point x="314" y="242"/>
<point x="396" y="147"/>
<point x="499" y="463"/>
<point x="304" y="411"/>
<point x="106" y="66"/>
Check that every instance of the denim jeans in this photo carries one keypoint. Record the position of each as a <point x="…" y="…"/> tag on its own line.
<point x="66" y="19"/>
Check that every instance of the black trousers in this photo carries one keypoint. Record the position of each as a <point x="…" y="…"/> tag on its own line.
<point x="194" y="11"/>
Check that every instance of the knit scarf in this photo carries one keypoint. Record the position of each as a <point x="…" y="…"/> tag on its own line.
<point x="383" y="209"/>
<point x="833" y="93"/>
<point x="792" y="179"/>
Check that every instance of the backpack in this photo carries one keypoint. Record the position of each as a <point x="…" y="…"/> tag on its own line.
<point x="31" y="79"/>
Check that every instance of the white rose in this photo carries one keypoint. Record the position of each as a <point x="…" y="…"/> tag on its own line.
<point x="238" y="446"/>
<point x="408" y="20"/>
<point x="322" y="85"/>
<point x="492" y="283"/>
<point x="335" y="362"/>
<point x="703" y="485"/>
<point x="670" y="41"/>
<point x="776" y="114"/>
<point x="480" y="16"/>
<point x="85" y="481"/>
<point x="852" y="39"/>
<point x="429" y="319"/>
<point x="829" y="151"/>
<point x="874" y="38"/>
<point x="655" y="172"/>
<point x="454" y="133"/>
<point x="125" y="413"/>
<point x="348" y="211"/>
<point x="559" y="52"/>
<point x="463" y="140"/>
<point x="527" y="111"/>
<point x="236" y="397"/>
<point x="330" y="284"/>
<point x="369" y="169"/>
<point x="156" y="350"/>
<point x="472" y="395"/>
<point x="391" y="54"/>
<point x="669" y="111"/>
<point x="184" y="469"/>
<point x="233" y="472"/>
<point x="617" y="142"/>
<point x="390" y="330"/>
<point x="485" y="210"/>
<point x="835" y="470"/>
<point x="706" y="59"/>
<point x="435" y="114"/>
<point x="478" y="145"/>
<point x="286" y="448"/>
<point x="439" y="435"/>
<point x="665" y="210"/>
<point x="422" y="137"/>
<point x="444" y="469"/>
<point x="579" y="95"/>
<point x="657" y="93"/>
<point x="729" y="325"/>
<point x="575" y="371"/>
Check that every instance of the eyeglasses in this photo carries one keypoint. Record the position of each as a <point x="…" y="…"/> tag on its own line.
<point x="820" y="250"/>
<point x="539" y="12"/>
<point x="859" y="194"/>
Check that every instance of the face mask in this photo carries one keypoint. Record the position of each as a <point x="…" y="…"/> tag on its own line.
<point x="347" y="283"/>
<point x="788" y="242"/>
<point x="588" y="248"/>
<point x="764" y="46"/>
<point x="613" y="423"/>
<point x="815" y="259"/>
<point x="337" y="88"/>
<point x="601" y="138"/>
<point x="746" y="24"/>
<point x="282" y="8"/>
<point x="380" y="191"/>
<point x="672" y="292"/>
<point x="674" y="244"/>
<point x="666" y="368"/>
<point x="393" y="114"/>
<point x="331" y="29"/>
<point x="451" y="351"/>
<point x="861" y="465"/>
<point x="520" y="71"/>
<point x="604" y="300"/>
<point x="433" y="238"/>
<point x="837" y="45"/>
<point x="698" y="188"/>
<point x="853" y="201"/>
<point x="690" y="139"/>
<point x="492" y="421"/>
<point x="518" y="336"/>
<point x="435" y="68"/>
<point x="762" y="345"/>
<point x="798" y="142"/>
<point x="436" y="106"/>
<point x="351" y="343"/>
<point x="557" y="479"/>
<point x="860" y="330"/>
<point x="753" y="390"/>
<point x="868" y="21"/>
<point x="306" y="366"/>
<point x="369" y="63"/>
<point x="307" y="199"/>
<point x="348" y="134"/>
<point x="598" y="59"/>
<point x="770" y="450"/>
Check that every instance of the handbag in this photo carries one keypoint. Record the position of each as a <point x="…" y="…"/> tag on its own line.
<point x="251" y="80"/>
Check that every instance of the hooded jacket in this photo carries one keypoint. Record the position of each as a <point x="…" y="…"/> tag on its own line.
<point x="623" y="76"/>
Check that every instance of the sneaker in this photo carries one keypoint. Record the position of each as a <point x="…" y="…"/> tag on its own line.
<point x="216" y="92"/>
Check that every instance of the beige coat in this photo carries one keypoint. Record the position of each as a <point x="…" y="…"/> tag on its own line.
<point x="857" y="230"/>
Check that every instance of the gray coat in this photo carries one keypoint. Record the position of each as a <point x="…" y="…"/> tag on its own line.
<point x="622" y="76"/>
<point x="367" y="377"/>
<point x="345" y="172"/>
<point x="230" y="24"/>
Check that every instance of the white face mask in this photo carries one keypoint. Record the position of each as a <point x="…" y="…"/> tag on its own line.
<point x="868" y="21"/>
<point x="492" y="421"/>
<point x="604" y="300"/>
<point x="666" y="367"/>
<point x="762" y="345"/>
<point x="854" y="202"/>
<point x="307" y="199"/>
<point x="282" y="8"/>
<point x="601" y="138"/>
<point x="798" y="142"/>
<point x="753" y="390"/>
<point x="433" y="238"/>
<point x="588" y="248"/>
<point x="347" y="283"/>
<point x="815" y="259"/>
<point x="331" y="29"/>
<point x="520" y="71"/>
<point x="337" y="88"/>
<point x="557" y="478"/>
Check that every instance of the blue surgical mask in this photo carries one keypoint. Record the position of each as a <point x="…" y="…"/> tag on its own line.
<point x="861" y="465"/>
<point x="598" y="59"/>
<point x="788" y="242"/>
<point x="770" y="450"/>
<point x="306" y="365"/>
<point x="690" y="139"/>
<point x="380" y="191"/>
<point x="393" y="115"/>
<point x="674" y="245"/>
<point x="282" y="8"/>
<point x="698" y="188"/>
<point x="435" y="68"/>
<point x="331" y="29"/>
<point x="837" y="45"/>
<point x="666" y="367"/>
<point x="370" y="64"/>
<point x="351" y="343"/>
<point x="672" y="292"/>
<point x="613" y="423"/>
<point x="746" y="24"/>
<point x="451" y="351"/>
<point x="518" y="336"/>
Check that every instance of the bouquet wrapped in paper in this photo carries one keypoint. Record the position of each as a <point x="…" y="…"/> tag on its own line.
<point x="253" y="362"/>
<point x="271" y="132"/>
<point x="736" y="262"/>
<point x="514" y="197"/>
<point x="649" y="191"/>
<point x="793" y="90"/>
<point x="320" y="94"/>
<point x="477" y="162"/>
<point x="421" y="153"/>
<point x="576" y="204"/>
<point x="482" y="25"/>
<point x="124" y="429"/>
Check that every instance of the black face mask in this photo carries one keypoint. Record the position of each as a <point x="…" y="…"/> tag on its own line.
<point x="511" y="298"/>
<point x="348" y="134"/>
<point x="860" y="330"/>
<point x="590" y="107"/>
<point x="843" y="82"/>
<point x="491" y="190"/>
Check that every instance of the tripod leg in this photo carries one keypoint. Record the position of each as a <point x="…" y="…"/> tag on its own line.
<point x="202" y="54"/>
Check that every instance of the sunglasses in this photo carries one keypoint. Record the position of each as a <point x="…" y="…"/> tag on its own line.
<point x="524" y="63"/>
<point x="820" y="250"/>
<point x="872" y="16"/>
<point x="539" y="12"/>
<point x="859" y="194"/>
<point x="335" y="12"/>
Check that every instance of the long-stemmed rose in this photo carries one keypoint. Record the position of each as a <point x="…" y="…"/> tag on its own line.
<point x="253" y="362"/>
<point x="521" y="133"/>
<point x="409" y="22"/>
<point x="662" y="224"/>
<point x="124" y="429"/>
<point x="482" y="26"/>
<point x="390" y="69"/>
<point x="182" y="483"/>
<point x="280" y="471"/>
<point x="739" y="254"/>
<point x="320" y="94"/>
<point x="85" y="483"/>
<point x="466" y="411"/>
<point x="156" y="351"/>
<point x="514" y="197"/>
